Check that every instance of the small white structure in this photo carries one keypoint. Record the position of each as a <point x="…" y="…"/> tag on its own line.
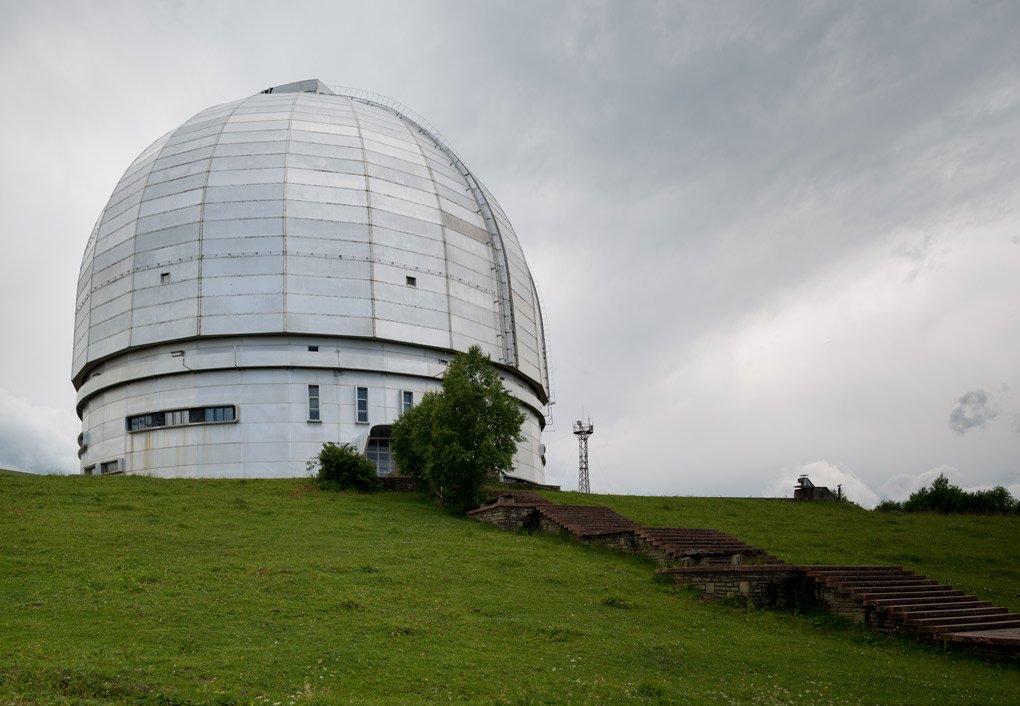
<point x="287" y="269"/>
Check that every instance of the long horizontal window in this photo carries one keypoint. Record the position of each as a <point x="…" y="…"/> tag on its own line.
<point x="182" y="417"/>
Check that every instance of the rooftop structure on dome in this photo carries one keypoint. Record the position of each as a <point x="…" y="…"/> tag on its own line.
<point x="291" y="268"/>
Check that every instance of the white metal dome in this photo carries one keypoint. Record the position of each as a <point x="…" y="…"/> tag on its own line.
<point x="294" y="215"/>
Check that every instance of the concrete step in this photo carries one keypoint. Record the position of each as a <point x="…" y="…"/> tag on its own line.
<point x="958" y="620"/>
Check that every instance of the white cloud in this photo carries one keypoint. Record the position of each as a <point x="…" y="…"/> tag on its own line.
<point x="901" y="485"/>
<point x="823" y="473"/>
<point x="36" y="439"/>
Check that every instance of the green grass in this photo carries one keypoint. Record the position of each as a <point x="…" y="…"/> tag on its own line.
<point x="138" y="590"/>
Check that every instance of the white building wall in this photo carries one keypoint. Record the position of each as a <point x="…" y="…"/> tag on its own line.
<point x="271" y="436"/>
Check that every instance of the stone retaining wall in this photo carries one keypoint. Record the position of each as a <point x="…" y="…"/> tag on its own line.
<point x="768" y="586"/>
<point x="836" y="603"/>
<point x="506" y="516"/>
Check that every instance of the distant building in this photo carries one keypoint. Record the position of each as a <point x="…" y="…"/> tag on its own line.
<point x="291" y="268"/>
<point x="806" y="490"/>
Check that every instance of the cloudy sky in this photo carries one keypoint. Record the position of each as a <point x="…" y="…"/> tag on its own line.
<point x="771" y="237"/>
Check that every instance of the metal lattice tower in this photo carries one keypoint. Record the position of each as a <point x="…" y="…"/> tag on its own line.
<point x="582" y="431"/>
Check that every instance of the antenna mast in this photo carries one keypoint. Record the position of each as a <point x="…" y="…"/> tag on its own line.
<point x="582" y="432"/>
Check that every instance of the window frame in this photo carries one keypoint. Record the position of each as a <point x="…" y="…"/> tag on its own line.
<point x="314" y="411"/>
<point x="406" y="400"/>
<point x="360" y="415"/>
<point x="111" y="468"/>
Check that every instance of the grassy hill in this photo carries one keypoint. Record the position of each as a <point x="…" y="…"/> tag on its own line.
<point x="138" y="590"/>
<point x="8" y="472"/>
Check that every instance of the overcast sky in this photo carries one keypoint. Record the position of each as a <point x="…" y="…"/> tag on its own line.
<point x="771" y="237"/>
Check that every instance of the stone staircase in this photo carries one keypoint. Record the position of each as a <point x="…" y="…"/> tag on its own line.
<point x="584" y="521"/>
<point x="894" y="599"/>
<point x="885" y="598"/>
<point x="703" y="547"/>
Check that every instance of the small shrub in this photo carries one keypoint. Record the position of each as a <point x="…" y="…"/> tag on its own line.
<point x="889" y="506"/>
<point x="615" y="602"/>
<point x="343" y="468"/>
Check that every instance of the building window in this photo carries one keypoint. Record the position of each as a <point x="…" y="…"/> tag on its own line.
<point x="313" y="403"/>
<point x="108" y="467"/>
<point x="379" y="453"/>
<point x="362" y="405"/>
<point x="313" y="349"/>
<point x="406" y="400"/>
<point x="412" y="281"/>
<point x="164" y="278"/>
<point x="219" y="414"/>
<point x="182" y="417"/>
<point x="89" y="470"/>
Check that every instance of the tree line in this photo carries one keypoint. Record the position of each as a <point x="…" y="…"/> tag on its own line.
<point x="946" y="498"/>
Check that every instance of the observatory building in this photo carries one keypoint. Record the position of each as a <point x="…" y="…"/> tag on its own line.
<point x="288" y="269"/>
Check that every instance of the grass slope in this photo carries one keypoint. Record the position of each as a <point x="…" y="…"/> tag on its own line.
<point x="139" y="590"/>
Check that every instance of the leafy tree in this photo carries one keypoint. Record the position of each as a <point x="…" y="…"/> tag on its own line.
<point x="457" y="439"/>
<point x="343" y="468"/>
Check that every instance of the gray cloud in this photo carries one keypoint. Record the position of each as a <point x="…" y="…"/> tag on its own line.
<point x="971" y="411"/>
<point x="38" y="440"/>
<point x="771" y="207"/>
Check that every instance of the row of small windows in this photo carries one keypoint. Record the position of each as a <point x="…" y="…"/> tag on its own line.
<point x="360" y="403"/>
<point x="228" y="413"/>
<point x="106" y="468"/>
<point x="182" y="417"/>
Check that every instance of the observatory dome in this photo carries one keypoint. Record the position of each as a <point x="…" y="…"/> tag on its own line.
<point x="287" y="269"/>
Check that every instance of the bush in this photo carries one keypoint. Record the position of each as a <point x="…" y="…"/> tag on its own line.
<point x="343" y="468"/>
<point x="458" y="439"/>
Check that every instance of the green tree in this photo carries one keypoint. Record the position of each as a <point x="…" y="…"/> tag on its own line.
<point x="457" y="439"/>
<point x="343" y="468"/>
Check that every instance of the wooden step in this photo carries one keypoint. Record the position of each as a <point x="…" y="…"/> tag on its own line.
<point x="861" y="577"/>
<point x="913" y="608"/>
<point x="924" y="599"/>
<point x="891" y="584"/>
<point x="1013" y="621"/>
<point x="950" y="614"/>
<point x="893" y="591"/>
<point x="824" y="570"/>
<point x="959" y="619"/>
